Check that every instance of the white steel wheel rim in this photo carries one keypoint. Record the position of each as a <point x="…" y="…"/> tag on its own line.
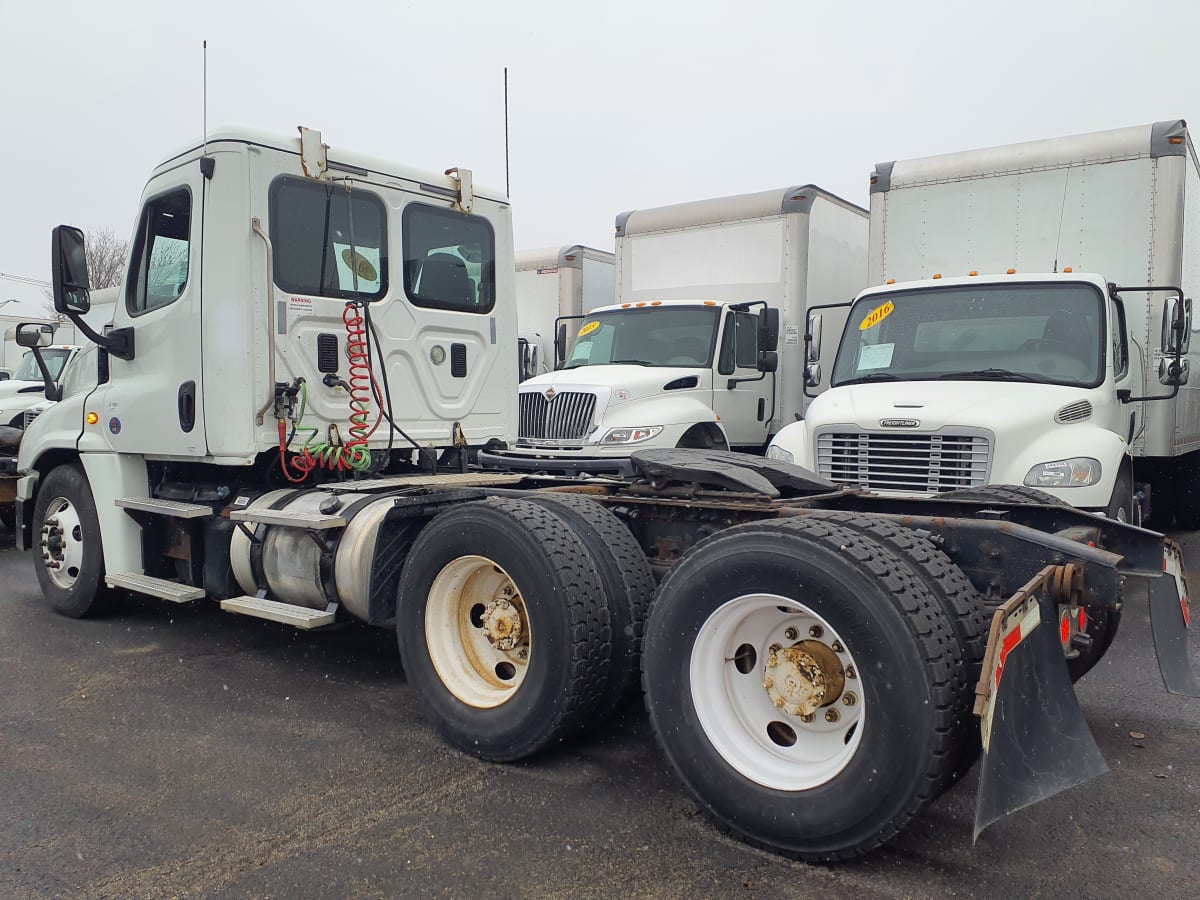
<point x="737" y="712"/>
<point x="473" y="610"/>
<point x="62" y="542"/>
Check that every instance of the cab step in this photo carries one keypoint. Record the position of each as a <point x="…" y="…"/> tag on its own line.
<point x="172" y="508"/>
<point x="310" y="521"/>
<point x="154" y="587"/>
<point x="274" y="611"/>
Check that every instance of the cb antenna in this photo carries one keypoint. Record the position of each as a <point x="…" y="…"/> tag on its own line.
<point x="207" y="164"/>
<point x="507" y="188"/>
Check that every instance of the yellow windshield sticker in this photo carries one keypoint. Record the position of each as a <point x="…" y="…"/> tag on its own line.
<point x="588" y="328"/>
<point x="360" y="262"/>
<point x="877" y="315"/>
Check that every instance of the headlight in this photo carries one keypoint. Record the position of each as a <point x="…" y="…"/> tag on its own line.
<point x="776" y="452"/>
<point x="1078" y="471"/>
<point x="630" y="435"/>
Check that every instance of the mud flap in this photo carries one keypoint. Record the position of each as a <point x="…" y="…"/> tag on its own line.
<point x="1169" y="621"/>
<point x="1036" y="742"/>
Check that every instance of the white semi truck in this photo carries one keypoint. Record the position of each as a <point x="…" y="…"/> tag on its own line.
<point x="689" y="355"/>
<point x="810" y="660"/>
<point x="1016" y="330"/>
<point x="553" y="284"/>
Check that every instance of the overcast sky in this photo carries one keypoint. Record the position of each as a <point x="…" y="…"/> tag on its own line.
<point x="612" y="106"/>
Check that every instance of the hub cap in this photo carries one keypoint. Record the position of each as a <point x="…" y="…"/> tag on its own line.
<point x="477" y="632"/>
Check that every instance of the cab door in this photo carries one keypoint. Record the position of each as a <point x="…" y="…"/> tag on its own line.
<point x="150" y="403"/>
<point x="745" y="407"/>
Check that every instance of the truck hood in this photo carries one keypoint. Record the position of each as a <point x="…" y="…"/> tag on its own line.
<point x="616" y="384"/>
<point x="936" y="404"/>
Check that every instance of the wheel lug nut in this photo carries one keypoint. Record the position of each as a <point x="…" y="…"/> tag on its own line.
<point x="779" y="703"/>
<point x="849" y="699"/>
<point x="768" y="682"/>
<point x="816" y="631"/>
<point x="775" y="648"/>
<point x="850" y="673"/>
<point x="808" y="719"/>
<point x="832" y="715"/>
<point x="836" y="646"/>
<point x="791" y="633"/>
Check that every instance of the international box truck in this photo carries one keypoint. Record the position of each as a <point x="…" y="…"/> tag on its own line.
<point x="702" y="347"/>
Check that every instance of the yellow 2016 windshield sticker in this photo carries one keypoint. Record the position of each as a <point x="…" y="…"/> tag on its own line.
<point x="877" y="315"/>
<point x="588" y="328"/>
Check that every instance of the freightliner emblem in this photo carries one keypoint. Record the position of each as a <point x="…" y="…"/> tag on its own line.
<point x="899" y="423"/>
<point x="549" y="394"/>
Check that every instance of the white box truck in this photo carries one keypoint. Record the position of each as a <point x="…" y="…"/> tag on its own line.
<point x="555" y="282"/>
<point x="689" y="354"/>
<point x="983" y="353"/>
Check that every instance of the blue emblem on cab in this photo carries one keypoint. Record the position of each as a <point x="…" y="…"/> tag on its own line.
<point x="114" y="425"/>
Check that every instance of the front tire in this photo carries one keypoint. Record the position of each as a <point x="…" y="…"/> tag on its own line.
<point x="504" y="628"/>
<point x="802" y="683"/>
<point x="68" y="549"/>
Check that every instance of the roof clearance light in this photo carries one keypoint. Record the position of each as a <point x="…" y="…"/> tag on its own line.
<point x="93" y="418"/>
<point x="891" y="281"/>
<point x="937" y="275"/>
<point x="973" y="273"/>
<point x="1068" y="270"/>
<point x="1175" y="140"/>
<point x="626" y="305"/>
<point x="641" y="304"/>
<point x="1012" y="271"/>
<point x="874" y="179"/>
<point x="656" y="303"/>
<point x="710" y="302"/>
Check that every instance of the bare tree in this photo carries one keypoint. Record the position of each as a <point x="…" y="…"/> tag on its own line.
<point x="106" y="255"/>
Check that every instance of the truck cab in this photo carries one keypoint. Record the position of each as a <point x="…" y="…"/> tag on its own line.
<point x="659" y="373"/>
<point x="952" y="383"/>
<point x="27" y="388"/>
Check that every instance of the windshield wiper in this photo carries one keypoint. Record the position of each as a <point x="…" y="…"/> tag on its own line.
<point x="989" y="373"/>
<point x="873" y="376"/>
<point x="629" y="362"/>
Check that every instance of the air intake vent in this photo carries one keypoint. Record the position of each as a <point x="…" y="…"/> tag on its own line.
<point x="458" y="360"/>
<point x="327" y="353"/>
<point x="1079" y="411"/>
<point x="680" y="384"/>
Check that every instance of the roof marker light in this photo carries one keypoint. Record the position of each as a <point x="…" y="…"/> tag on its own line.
<point x="1068" y="270"/>
<point x="641" y="304"/>
<point x="891" y="281"/>
<point x="656" y="303"/>
<point x="1175" y="140"/>
<point x="973" y="273"/>
<point x="626" y="305"/>
<point x="710" y="302"/>
<point x="1012" y="271"/>
<point x="937" y="275"/>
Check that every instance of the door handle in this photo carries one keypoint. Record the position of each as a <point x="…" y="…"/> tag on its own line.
<point x="187" y="406"/>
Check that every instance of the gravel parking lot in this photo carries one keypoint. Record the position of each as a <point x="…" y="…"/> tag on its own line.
<point x="185" y="751"/>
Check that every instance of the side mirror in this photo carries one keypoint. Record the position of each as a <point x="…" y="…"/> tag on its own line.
<point x="812" y="338"/>
<point x="560" y="345"/>
<point x="812" y="375"/>
<point x="768" y="361"/>
<point x="68" y="260"/>
<point x="768" y="329"/>
<point x="1172" y="373"/>
<point x="1176" y="325"/>
<point x="33" y="334"/>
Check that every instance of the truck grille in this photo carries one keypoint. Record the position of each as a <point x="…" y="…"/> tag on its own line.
<point x="567" y="416"/>
<point x="921" y="463"/>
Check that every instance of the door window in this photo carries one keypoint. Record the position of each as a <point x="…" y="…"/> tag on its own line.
<point x="161" y="252"/>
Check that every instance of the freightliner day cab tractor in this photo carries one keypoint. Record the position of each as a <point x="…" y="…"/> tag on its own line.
<point x="689" y="355"/>
<point x="295" y="319"/>
<point x="1019" y="328"/>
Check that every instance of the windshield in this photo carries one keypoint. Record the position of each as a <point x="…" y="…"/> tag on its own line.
<point x="28" y="369"/>
<point x="650" y="336"/>
<point x="1050" y="333"/>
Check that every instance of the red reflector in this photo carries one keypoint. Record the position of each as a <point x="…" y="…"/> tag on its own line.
<point x="1065" y="628"/>
<point x="1082" y="619"/>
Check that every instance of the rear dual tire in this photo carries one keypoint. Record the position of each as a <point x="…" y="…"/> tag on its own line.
<point x="722" y="620"/>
